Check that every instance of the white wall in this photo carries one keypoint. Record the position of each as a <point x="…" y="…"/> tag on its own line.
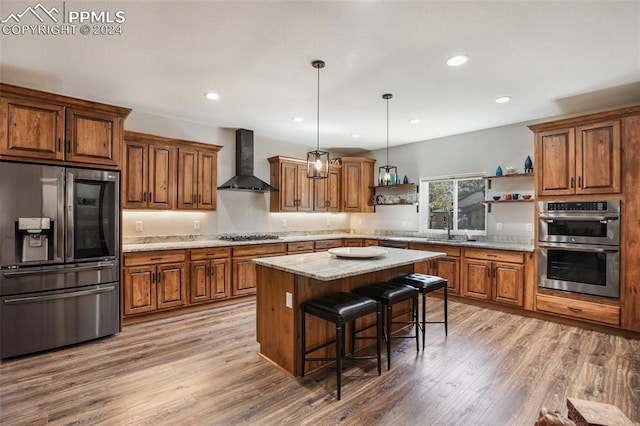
<point x="480" y="151"/>
<point x="237" y="211"/>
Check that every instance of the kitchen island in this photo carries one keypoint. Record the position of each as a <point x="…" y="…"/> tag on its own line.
<point x="284" y="282"/>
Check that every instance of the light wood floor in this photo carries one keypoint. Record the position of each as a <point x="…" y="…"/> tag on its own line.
<point x="203" y="368"/>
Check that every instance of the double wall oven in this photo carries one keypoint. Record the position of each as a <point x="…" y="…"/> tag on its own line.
<point x="579" y="247"/>
<point x="59" y="251"/>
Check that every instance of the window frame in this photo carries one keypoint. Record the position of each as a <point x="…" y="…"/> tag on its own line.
<point x="425" y="210"/>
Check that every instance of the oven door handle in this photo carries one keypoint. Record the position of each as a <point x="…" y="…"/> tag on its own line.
<point x="551" y="218"/>
<point x="67" y="295"/>
<point x="579" y="247"/>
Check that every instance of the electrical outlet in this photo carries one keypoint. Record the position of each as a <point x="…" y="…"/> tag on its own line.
<point x="139" y="226"/>
<point x="284" y="223"/>
<point x="499" y="226"/>
<point x="529" y="226"/>
<point x="196" y="225"/>
<point x="288" y="300"/>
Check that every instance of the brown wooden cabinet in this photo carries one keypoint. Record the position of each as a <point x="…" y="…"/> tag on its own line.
<point x="579" y="160"/>
<point x="300" y="247"/>
<point x="357" y="184"/>
<point x="447" y="267"/>
<point x="210" y="277"/>
<point x="353" y="242"/>
<point x="494" y="275"/>
<point x="295" y="190"/>
<point x="149" y="172"/>
<point x="327" y="191"/>
<point x="244" y="279"/>
<point x="42" y="126"/>
<point x="154" y="281"/>
<point x="324" y="245"/>
<point x="607" y="312"/>
<point x="197" y="178"/>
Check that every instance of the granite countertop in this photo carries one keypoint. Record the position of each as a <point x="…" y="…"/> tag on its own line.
<point x="325" y="266"/>
<point x="174" y="243"/>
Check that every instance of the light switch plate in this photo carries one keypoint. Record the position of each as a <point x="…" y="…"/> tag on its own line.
<point x="289" y="300"/>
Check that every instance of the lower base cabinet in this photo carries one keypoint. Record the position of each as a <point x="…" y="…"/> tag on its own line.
<point x="210" y="277"/>
<point x="447" y="267"/>
<point x="607" y="313"/>
<point x="154" y="281"/>
<point x="245" y="278"/>
<point x="493" y="275"/>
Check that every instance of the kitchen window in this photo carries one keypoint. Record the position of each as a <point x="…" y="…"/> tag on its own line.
<point x="453" y="204"/>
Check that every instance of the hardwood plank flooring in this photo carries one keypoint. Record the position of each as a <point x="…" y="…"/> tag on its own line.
<point x="203" y="369"/>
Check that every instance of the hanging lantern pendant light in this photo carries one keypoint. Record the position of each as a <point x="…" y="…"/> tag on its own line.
<point x="387" y="174"/>
<point x="318" y="161"/>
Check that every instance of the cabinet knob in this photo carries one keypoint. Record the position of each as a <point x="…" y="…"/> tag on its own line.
<point x="150" y="196"/>
<point x="579" y="181"/>
<point x="572" y="182"/>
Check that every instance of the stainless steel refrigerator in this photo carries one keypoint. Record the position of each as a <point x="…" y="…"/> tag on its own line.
<point x="59" y="256"/>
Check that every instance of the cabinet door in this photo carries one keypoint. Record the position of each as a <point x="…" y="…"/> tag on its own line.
<point x="220" y="278"/>
<point x="478" y="279"/>
<point x="31" y="129"/>
<point x="171" y="285"/>
<point x="135" y="184"/>
<point x="351" y="187"/>
<point x="207" y="180"/>
<point x="139" y="290"/>
<point x="509" y="283"/>
<point x="93" y="137"/>
<point x="555" y="153"/>
<point x="244" y="276"/>
<point x="187" y="178"/>
<point x="320" y="195"/>
<point x="288" y="191"/>
<point x="199" y="282"/>
<point x="327" y="192"/>
<point x="449" y="269"/>
<point x="161" y="177"/>
<point x="598" y="158"/>
<point x="304" y="189"/>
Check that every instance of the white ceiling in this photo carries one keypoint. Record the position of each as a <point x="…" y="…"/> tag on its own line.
<point x="553" y="57"/>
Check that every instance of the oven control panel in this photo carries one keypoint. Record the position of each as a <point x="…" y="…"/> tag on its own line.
<point x="577" y="206"/>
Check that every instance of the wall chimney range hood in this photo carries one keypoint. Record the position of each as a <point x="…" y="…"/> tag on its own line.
<point x="244" y="180"/>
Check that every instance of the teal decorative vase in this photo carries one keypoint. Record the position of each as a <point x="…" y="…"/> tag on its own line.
<point x="499" y="171"/>
<point x="528" y="165"/>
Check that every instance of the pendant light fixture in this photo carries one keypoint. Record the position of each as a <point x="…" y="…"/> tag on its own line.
<point x="387" y="175"/>
<point x="318" y="161"/>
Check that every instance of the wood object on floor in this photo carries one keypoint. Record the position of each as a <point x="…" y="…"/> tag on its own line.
<point x="590" y="413"/>
<point x="546" y="418"/>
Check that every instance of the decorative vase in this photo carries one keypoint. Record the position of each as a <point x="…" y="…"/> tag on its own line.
<point x="499" y="171"/>
<point x="405" y="180"/>
<point x="528" y="165"/>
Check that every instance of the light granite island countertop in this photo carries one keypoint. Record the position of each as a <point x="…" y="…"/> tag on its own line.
<point x="285" y="282"/>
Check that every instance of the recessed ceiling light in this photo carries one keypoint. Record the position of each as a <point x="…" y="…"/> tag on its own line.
<point x="414" y="121"/>
<point x="503" y="99"/>
<point x="212" y="96"/>
<point x="457" y="60"/>
<point x="355" y="135"/>
<point x="297" y="119"/>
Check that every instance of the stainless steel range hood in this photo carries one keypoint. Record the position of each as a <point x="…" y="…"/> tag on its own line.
<point x="244" y="180"/>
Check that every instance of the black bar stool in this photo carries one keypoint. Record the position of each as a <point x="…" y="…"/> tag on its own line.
<point x="340" y="308"/>
<point x="426" y="284"/>
<point x="389" y="294"/>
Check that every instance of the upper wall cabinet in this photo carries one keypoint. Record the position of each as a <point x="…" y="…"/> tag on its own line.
<point x="581" y="159"/>
<point x="295" y="189"/>
<point x="149" y="172"/>
<point x="327" y="192"/>
<point x="45" y="127"/>
<point x="357" y="184"/>
<point x="165" y="173"/>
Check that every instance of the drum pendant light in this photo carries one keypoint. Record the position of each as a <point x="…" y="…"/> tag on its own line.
<point x="387" y="175"/>
<point x="318" y="161"/>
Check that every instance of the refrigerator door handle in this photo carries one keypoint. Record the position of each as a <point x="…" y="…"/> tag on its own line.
<point x="102" y="265"/>
<point x="68" y="295"/>
<point x="70" y="221"/>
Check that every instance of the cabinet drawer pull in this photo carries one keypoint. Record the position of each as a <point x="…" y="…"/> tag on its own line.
<point x="156" y="258"/>
<point x="144" y="196"/>
<point x="153" y="278"/>
<point x="150" y="194"/>
<point x="574" y="309"/>
<point x="488" y="272"/>
<point x="193" y="199"/>
<point x="572" y="182"/>
<point x="159" y="278"/>
<point x="199" y="198"/>
<point x="579" y="181"/>
<point x="492" y="255"/>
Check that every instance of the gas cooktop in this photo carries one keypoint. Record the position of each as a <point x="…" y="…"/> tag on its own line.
<point x="248" y="237"/>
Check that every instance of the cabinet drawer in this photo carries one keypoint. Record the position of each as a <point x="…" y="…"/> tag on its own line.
<point x="260" y="249"/>
<point x="210" y="253"/>
<point x="151" y="258"/>
<point x="582" y="309"/>
<point x="452" y="251"/>
<point x="300" y="246"/>
<point x="327" y="244"/>
<point x="499" y="255"/>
